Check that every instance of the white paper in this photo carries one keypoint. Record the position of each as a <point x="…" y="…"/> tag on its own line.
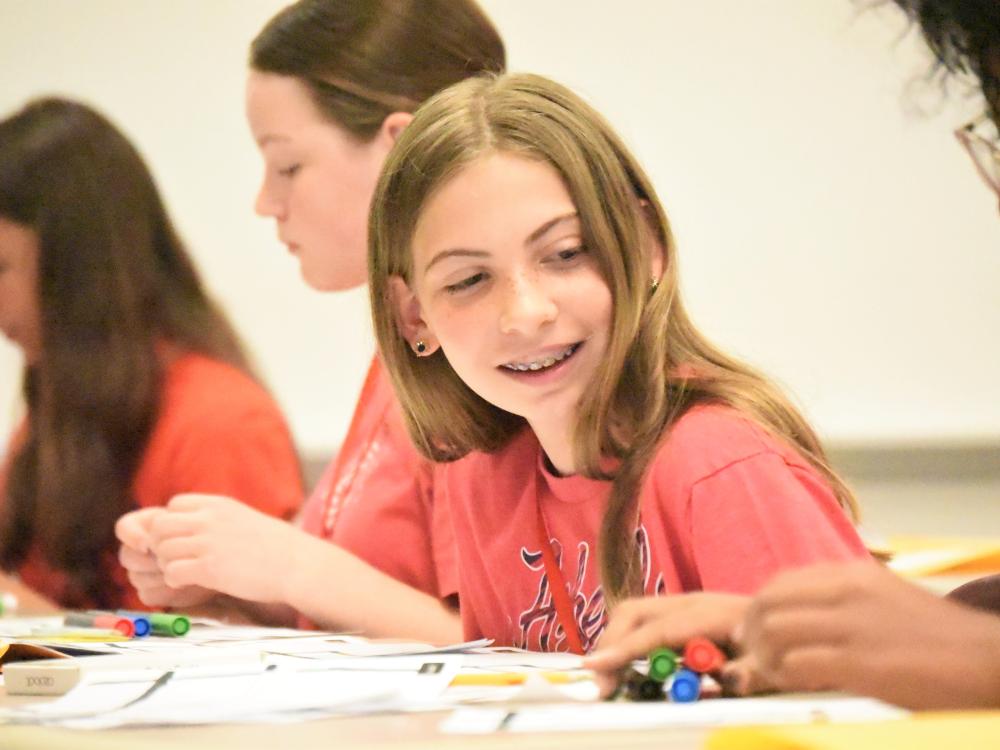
<point x="514" y="660"/>
<point x="705" y="713"/>
<point x="279" y="694"/>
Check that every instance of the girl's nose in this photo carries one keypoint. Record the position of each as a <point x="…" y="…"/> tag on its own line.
<point x="527" y="306"/>
<point x="267" y="204"/>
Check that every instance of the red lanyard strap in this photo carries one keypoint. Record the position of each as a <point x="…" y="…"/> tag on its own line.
<point x="557" y="585"/>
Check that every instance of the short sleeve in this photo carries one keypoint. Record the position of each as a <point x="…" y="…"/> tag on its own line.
<point x="218" y="432"/>
<point x="760" y="515"/>
<point x="246" y="454"/>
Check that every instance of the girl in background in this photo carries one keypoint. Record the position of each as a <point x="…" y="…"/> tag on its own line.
<point x="331" y="86"/>
<point x="135" y="383"/>
<point x="525" y="294"/>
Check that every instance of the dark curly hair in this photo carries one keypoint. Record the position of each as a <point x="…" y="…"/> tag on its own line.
<point x="964" y="36"/>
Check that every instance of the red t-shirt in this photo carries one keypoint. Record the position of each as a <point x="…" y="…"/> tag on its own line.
<point x="724" y="506"/>
<point x="377" y="500"/>
<point x="218" y="432"/>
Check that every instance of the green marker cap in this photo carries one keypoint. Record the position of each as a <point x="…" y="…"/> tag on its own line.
<point x="662" y="664"/>
<point x="174" y="625"/>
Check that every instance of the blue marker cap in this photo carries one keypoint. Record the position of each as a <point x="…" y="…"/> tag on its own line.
<point x="685" y="687"/>
<point x="142" y="626"/>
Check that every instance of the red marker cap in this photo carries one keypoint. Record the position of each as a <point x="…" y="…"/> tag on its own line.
<point x="112" y="622"/>
<point x="701" y="655"/>
<point x="102" y="620"/>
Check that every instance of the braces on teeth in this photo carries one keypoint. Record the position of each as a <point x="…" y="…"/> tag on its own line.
<point x="542" y="364"/>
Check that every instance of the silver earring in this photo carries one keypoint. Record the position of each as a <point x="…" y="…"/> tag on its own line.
<point x="420" y="347"/>
<point x="653" y="285"/>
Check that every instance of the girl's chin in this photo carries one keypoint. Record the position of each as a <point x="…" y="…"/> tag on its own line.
<point x="329" y="279"/>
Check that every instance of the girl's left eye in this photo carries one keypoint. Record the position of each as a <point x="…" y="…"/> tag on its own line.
<point x="568" y="255"/>
<point x="465" y="284"/>
<point x="289" y="171"/>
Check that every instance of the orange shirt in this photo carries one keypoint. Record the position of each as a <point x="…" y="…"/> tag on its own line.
<point x="724" y="506"/>
<point x="377" y="498"/>
<point x="218" y="432"/>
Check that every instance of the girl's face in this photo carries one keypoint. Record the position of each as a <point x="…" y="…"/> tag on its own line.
<point x="503" y="283"/>
<point x="20" y="319"/>
<point x="318" y="181"/>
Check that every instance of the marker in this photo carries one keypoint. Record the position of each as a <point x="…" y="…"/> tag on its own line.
<point x="69" y="635"/>
<point x="107" y="622"/>
<point x="662" y="664"/>
<point x="701" y="655"/>
<point x="142" y="625"/>
<point x="639" y="687"/>
<point x="140" y="621"/>
<point x="517" y="678"/>
<point x="685" y="687"/>
<point x="161" y="623"/>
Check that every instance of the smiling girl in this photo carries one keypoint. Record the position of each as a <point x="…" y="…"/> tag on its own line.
<point x="525" y="294"/>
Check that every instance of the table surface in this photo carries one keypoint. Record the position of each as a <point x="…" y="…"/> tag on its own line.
<point x="399" y="731"/>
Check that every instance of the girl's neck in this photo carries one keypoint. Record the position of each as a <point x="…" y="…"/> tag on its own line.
<point x="556" y="439"/>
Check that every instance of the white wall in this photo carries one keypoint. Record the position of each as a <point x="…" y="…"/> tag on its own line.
<point x="827" y="233"/>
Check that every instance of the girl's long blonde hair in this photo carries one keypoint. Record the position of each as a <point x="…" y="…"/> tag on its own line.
<point x="657" y="366"/>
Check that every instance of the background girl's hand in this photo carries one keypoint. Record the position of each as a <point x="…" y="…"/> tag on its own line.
<point x="143" y="569"/>
<point x="637" y="626"/>
<point x="220" y="543"/>
<point x="858" y="627"/>
<point x="132" y="529"/>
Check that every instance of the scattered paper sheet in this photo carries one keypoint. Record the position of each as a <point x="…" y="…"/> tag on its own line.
<point x="278" y="694"/>
<point x="708" y="713"/>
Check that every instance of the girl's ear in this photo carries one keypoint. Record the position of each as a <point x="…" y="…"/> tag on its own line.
<point x="657" y="252"/>
<point x="657" y="258"/>
<point x="391" y="128"/>
<point x="409" y="318"/>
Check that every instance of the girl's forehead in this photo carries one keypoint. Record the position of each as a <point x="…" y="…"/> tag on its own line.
<point x="278" y="105"/>
<point x="493" y="204"/>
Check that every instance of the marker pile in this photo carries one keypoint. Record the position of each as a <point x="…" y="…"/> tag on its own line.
<point x="675" y="676"/>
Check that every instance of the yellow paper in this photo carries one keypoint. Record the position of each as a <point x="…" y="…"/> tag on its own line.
<point x="974" y="730"/>
<point x="923" y="556"/>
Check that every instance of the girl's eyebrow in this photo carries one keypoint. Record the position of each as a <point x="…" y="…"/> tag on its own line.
<point x="550" y="224"/>
<point x="533" y="237"/>
<point x="456" y="252"/>
<point x="269" y="138"/>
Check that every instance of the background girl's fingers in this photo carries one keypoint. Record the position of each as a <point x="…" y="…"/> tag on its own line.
<point x="180" y="573"/>
<point x="177" y="548"/>
<point x="170" y="525"/>
<point x="133" y="528"/>
<point x="135" y="561"/>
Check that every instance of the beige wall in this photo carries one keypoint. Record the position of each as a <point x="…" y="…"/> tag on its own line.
<point x="827" y="233"/>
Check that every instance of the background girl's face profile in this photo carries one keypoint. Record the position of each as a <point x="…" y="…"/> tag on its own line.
<point x="20" y="318"/>
<point x="507" y="288"/>
<point x="318" y="181"/>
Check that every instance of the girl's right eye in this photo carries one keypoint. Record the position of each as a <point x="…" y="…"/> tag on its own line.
<point x="465" y="284"/>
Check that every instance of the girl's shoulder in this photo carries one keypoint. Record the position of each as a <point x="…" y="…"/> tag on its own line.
<point x="197" y="388"/>
<point x="521" y="455"/>
<point x="710" y="437"/>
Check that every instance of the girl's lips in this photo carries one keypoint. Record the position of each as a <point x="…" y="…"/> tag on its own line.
<point x="545" y="374"/>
